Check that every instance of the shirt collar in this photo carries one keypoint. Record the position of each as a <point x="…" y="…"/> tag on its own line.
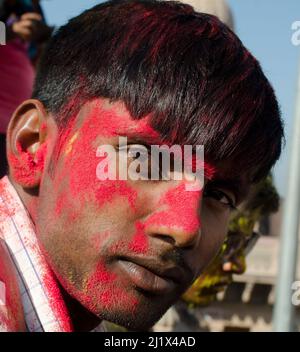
<point x="44" y="307"/>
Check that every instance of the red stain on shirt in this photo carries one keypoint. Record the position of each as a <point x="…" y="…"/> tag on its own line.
<point x="57" y="302"/>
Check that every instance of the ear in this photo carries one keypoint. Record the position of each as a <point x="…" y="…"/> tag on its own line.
<point x="26" y="146"/>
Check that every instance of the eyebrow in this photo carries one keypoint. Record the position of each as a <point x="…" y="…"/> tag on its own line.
<point x="142" y="138"/>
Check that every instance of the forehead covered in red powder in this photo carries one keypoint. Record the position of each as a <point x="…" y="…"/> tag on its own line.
<point x="112" y="119"/>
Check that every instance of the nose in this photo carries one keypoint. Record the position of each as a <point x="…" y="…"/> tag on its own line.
<point x="177" y="218"/>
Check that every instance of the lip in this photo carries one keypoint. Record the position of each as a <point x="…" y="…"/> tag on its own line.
<point x="148" y="278"/>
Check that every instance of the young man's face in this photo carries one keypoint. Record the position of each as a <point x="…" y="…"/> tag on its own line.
<point x="126" y="250"/>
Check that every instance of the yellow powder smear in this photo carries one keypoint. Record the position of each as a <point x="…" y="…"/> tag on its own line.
<point x="70" y="143"/>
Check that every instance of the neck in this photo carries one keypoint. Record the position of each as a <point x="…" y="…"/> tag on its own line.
<point x="29" y="198"/>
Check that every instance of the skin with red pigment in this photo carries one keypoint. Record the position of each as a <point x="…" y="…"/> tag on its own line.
<point x="26" y="168"/>
<point x="85" y="225"/>
<point x="139" y="243"/>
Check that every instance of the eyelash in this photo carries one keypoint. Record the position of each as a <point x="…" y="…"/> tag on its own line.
<point x="218" y="195"/>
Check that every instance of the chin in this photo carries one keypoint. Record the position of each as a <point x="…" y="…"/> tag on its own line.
<point x="142" y="319"/>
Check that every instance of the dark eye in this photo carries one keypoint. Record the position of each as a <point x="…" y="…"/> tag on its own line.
<point x="138" y="151"/>
<point x="135" y="151"/>
<point x="220" y="196"/>
<point x="151" y="165"/>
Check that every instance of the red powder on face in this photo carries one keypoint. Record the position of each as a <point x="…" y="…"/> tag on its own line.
<point x="106" y="298"/>
<point x="182" y="210"/>
<point x="102" y="291"/>
<point x="79" y="146"/>
<point x="96" y="286"/>
<point x="62" y="203"/>
<point x="26" y="168"/>
<point x="114" y="298"/>
<point x="82" y="161"/>
<point x="43" y="127"/>
<point x="100" y="276"/>
<point x="118" y="247"/>
<point x="139" y="242"/>
<point x="102" y="121"/>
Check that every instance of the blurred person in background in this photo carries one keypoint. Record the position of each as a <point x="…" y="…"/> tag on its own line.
<point x="262" y="201"/>
<point x="26" y="33"/>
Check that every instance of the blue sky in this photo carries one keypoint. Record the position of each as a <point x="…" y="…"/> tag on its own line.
<point x="265" y="28"/>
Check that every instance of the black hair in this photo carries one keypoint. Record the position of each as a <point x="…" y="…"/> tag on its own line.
<point x="187" y="69"/>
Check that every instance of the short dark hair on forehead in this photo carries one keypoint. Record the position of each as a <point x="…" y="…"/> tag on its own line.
<point x="187" y="69"/>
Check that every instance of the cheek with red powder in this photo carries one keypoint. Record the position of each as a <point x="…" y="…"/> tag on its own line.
<point x="106" y="293"/>
<point x="101" y="291"/>
<point x="182" y="210"/>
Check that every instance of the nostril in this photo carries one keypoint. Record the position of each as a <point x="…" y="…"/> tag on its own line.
<point x="166" y="238"/>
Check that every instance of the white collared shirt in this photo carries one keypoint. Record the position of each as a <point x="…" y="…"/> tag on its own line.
<point x="43" y="305"/>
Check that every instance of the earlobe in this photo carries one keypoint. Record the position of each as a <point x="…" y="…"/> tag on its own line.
<point x="26" y="146"/>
